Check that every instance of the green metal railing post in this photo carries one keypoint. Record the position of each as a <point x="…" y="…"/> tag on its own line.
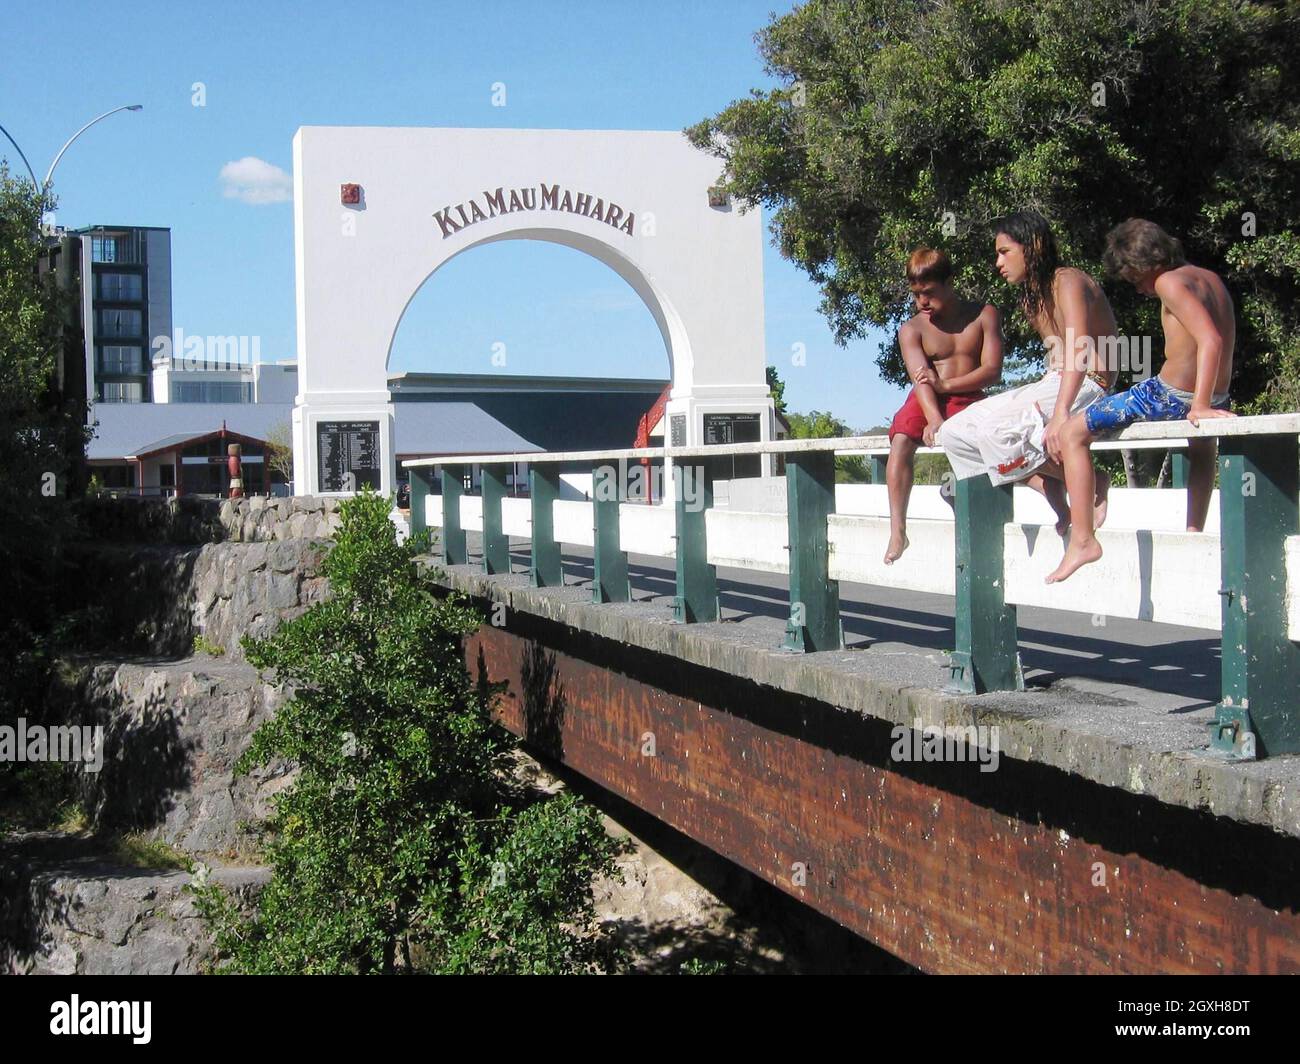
<point x="454" y="551"/>
<point x="609" y="563"/>
<point x="814" y="622"/>
<point x="1259" y="501"/>
<point x="985" y="657"/>
<point x="496" y="545"/>
<point x="544" y="490"/>
<point x="421" y="489"/>
<point x="1179" y="463"/>
<point x="697" y="581"/>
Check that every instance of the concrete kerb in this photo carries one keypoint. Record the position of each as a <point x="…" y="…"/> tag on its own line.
<point x="1265" y="793"/>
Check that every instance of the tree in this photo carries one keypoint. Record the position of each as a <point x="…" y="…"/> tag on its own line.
<point x="279" y="450"/>
<point x="401" y="845"/>
<point x="819" y="425"/>
<point x="904" y="122"/>
<point x="40" y="434"/>
<point x="776" y="389"/>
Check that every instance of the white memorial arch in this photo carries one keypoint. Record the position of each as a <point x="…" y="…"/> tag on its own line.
<point x="378" y="210"/>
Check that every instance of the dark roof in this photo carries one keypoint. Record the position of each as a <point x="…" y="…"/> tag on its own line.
<point x="552" y="421"/>
<point x="172" y="443"/>
<point x="421" y="428"/>
<point x="453" y="428"/>
<point x="137" y="428"/>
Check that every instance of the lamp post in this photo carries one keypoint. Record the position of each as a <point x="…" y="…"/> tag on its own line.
<point x="43" y="187"/>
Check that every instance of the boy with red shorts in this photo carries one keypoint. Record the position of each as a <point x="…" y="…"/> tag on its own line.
<point x="953" y="350"/>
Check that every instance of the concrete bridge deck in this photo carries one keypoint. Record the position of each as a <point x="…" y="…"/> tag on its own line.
<point x="1108" y="839"/>
<point x="1128" y="704"/>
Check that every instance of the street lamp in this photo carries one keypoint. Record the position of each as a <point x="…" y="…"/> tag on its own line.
<point x="43" y="187"/>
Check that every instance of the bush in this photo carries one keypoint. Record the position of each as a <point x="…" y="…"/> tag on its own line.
<point x="398" y="847"/>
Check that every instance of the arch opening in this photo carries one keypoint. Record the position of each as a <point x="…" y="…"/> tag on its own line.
<point x="666" y="320"/>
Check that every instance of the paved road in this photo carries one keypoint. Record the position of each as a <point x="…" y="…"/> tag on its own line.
<point x="1166" y="666"/>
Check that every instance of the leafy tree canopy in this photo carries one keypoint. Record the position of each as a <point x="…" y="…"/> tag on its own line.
<point x="904" y="122"/>
<point x="40" y="433"/>
<point x="821" y="425"/>
<point x="776" y="389"/>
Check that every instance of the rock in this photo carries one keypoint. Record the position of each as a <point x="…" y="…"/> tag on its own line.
<point x="282" y="590"/>
<point x="254" y="558"/>
<point x="172" y="736"/>
<point x="79" y="911"/>
<point x="283" y="557"/>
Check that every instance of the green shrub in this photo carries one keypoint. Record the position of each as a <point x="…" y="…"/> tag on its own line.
<point x="399" y="846"/>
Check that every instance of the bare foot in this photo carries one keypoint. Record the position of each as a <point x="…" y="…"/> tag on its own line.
<point x="1076" y="556"/>
<point x="897" y="544"/>
<point x="1054" y="492"/>
<point x="1100" y="500"/>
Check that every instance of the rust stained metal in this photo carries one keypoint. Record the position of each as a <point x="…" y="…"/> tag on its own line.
<point x="950" y="879"/>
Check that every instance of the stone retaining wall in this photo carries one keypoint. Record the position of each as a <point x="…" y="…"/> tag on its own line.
<point x="190" y="520"/>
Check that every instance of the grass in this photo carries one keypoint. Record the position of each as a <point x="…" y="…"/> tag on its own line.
<point x="140" y="852"/>
<point x="39" y="796"/>
<point x="204" y="646"/>
<point x="72" y="820"/>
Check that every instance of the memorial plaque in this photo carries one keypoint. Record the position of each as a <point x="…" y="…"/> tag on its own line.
<point x="731" y="428"/>
<point x="735" y="428"/>
<point x="677" y="430"/>
<point x="348" y="453"/>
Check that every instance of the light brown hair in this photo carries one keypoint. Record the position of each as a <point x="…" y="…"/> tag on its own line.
<point x="1137" y="246"/>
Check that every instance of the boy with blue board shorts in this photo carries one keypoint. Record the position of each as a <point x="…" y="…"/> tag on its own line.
<point x="1197" y="316"/>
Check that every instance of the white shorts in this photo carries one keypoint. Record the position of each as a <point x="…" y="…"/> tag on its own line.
<point x="1003" y="435"/>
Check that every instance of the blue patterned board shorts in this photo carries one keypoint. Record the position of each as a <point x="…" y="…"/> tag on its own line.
<point x="1148" y="400"/>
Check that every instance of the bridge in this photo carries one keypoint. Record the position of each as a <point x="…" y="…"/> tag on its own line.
<point x="960" y="799"/>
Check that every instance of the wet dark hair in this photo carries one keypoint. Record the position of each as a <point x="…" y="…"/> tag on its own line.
<point x="1137" y="246"/>
<point x="1033" y="232"/>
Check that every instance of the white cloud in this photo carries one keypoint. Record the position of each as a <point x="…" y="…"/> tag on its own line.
<point x="254" y="180"/>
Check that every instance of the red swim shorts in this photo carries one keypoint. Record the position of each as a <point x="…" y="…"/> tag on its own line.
<point x="910" y="419"/>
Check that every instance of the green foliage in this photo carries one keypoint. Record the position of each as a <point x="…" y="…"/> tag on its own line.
<point x="930" y="469"/>
<point x="140" y="852"/>
<point x="39" y="796"/>
<point x="776" y="389"/>
<point x="279" y="450"/>
<point x="39" y="430"/>
<point x="202" y="645"/>
<point x="904" y="123"/>
<point x="819" y="425"/>
<point x="696" y="966"/>
<point x="400" y="845"/>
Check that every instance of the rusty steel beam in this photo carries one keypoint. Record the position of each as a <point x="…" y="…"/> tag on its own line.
<point x="1026" y="869"/>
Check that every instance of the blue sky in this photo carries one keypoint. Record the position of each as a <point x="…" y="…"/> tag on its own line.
<point x="268" y="68"/>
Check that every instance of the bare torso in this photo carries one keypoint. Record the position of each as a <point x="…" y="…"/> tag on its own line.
<point x="953" y="347"/>
<point x="1099" y="321"/>
<point x="1179" y="369"/>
